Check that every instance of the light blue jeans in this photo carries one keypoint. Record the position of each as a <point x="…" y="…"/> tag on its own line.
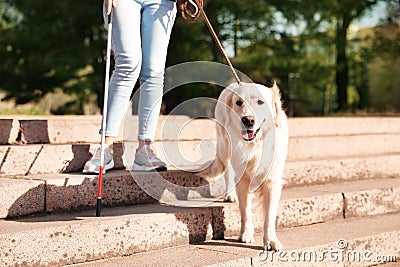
<point x="140" y="37"/>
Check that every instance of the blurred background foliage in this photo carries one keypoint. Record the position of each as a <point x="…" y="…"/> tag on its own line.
<point x="52" y="54"/>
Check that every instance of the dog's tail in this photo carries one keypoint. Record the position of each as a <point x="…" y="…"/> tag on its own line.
<point x="220" y="163"/>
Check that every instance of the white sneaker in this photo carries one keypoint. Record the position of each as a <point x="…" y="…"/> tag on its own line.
<point x="146" y="160"/>
<point x="93" y="165"/>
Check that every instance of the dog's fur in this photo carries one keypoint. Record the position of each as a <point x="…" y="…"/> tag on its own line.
<point x="252" y="143"/>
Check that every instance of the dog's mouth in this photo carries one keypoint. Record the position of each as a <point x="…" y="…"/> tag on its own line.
<point x="249" y="135"/>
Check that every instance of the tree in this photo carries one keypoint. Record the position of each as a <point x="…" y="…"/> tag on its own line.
<point x="385" y="63"/>
<point x="54" y="44"/>
<point x="345" y="12"/>
<point x="318" y="17"/>
<point x="47" y="46"/>
<point x="9" y="16"/>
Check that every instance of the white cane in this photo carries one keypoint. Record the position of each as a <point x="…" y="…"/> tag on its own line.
<point x="104" y="120"/>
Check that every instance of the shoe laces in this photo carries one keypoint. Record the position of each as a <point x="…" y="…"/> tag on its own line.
<point x="97" y="152"/>
<point x="149" y="152"/>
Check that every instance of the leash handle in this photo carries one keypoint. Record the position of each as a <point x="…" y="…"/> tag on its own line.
<point x="186" y="10"/>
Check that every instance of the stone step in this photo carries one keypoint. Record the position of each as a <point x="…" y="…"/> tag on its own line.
<point x="65" y="158"/>
<point x="75" y="129"/>
<point x="367" y="241"/>
<point x="322" y="171"/>
<point x="31" y="194"/>
<point x="48" y="193"/>
<point x="84" y="129"/>
<point x="61" y="239"/>
<point x="326" y="126"/>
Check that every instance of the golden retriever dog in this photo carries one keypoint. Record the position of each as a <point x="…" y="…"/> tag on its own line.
<point x="252" y="143"/>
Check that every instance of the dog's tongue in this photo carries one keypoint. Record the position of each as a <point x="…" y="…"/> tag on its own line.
<point x="248" y="134"/>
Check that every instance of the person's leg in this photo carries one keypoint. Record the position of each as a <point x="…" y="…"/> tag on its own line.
<point x="126" y="42"/>
<point x="158" y="17"/>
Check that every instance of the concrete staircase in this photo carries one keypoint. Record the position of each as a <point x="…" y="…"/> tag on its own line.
<point x="341" y="195"/>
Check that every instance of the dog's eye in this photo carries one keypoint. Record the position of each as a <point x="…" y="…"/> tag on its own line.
<point x="260" y="102"/>
<point x="239" y="103"/>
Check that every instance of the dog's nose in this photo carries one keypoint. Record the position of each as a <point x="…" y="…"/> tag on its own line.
<point x="248" y="121"/>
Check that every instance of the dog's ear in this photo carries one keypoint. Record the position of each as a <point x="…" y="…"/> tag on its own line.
<point x="224" y="106"/>
<point x="276" y="100"/>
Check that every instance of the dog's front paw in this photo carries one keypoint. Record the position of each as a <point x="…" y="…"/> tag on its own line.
<point x="246" y="237"/>
<point x="231" y="197"/>
<point x="275" y="245"/>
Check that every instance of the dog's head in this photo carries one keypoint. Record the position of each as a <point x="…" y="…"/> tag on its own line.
<point x="253" y="108"/>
